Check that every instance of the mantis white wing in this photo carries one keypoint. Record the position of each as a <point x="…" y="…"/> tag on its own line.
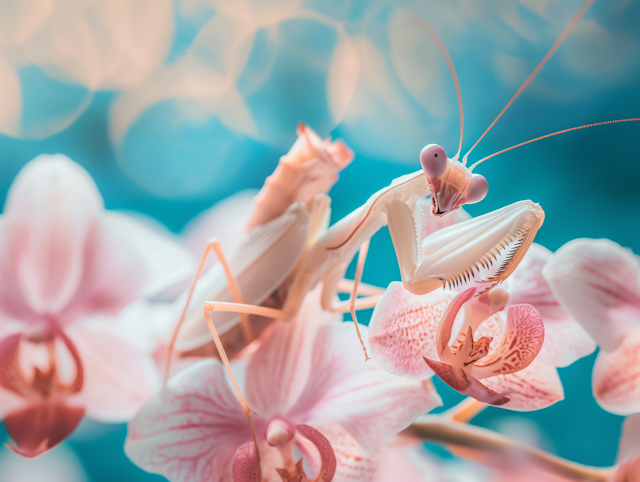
<point x="260" y="264"/>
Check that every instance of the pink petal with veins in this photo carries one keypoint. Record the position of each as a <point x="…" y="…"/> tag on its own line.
<point x="11" y="377"/>
<point x="190" y="431"/>
<point x="616" y="377"/>
<point x="533" y="388"/>
<point x="118" y="378"/>
<point x="327" y="456"/>
<point x="353" y="462"/>
<point x="68" y="257"/>
<point x="40" y="427"/>
<point x="280" y="367"/>
<point x="464" y="383"/>
<point x="565" y="340"/>
<point x="403" y="329"/>
<point x="13" y="304"/>
<point x="371" y="404"/>
<point x="519" y="347"/>
<point x="126" y="261"/>
<point x="15" y="391"/>
<point x="9" y="402"/>
<point x="245" y="464"/>
<point x="596" y="281"/>
<point x="56" y="205"/>
<point x="629" y="446"/>
<point x="527" y="285"/>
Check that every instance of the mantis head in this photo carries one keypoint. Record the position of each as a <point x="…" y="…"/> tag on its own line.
<point x="451" y="184"/>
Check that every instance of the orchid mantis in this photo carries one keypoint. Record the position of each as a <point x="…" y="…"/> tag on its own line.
<point x="280" y="261"/>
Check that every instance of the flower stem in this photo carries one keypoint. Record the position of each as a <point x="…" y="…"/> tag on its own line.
<point x="465" y="410"/>
<point x="502" y="450"/>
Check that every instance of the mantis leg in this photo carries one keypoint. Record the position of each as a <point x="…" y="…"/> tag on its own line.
<point x="453" y="255"/>
<point x="214" y="245"/>
<point x="247" y="309"/>
<point x="360" y="304"/>
<point x="402" y="228"/>
<point x="236" y="388"/>
<point x="364" y="289"/>
<point x="362" y="257"/>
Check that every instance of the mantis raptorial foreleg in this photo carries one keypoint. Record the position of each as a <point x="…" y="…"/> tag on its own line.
<point x="402" y="229"/>
<point x="212" y="245"/>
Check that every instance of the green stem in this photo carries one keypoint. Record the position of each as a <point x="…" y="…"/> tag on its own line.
<point x="433" y="428"/>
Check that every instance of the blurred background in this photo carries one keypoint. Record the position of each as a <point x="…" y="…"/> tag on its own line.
<point x="173" y="106"/>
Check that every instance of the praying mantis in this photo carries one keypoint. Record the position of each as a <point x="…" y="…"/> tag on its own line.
<point x="278" y="263"/>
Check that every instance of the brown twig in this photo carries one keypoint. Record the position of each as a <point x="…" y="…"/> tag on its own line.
<point x="432" y="428"/>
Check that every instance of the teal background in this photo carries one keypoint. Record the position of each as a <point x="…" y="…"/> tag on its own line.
<point x="587" y="181"/>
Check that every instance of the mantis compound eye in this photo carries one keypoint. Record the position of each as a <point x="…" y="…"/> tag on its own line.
<point x="478" y="189"/>
<point x="433" y="160"/>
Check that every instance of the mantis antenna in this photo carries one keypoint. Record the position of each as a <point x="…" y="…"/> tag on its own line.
<point x="574" y="20"/>
<point x="423" y="25"/>
<point x="635" y="119"/>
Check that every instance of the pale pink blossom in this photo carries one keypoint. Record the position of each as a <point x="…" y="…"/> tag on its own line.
<point x="403" y="459"/>
<point x="565" y="339"/>
<point x="597" y="281"/>
<point x="310" y="389"/>
<point x="404" y="329"/>
<point x="68" y="268"/>
<point x="465" y="355"/>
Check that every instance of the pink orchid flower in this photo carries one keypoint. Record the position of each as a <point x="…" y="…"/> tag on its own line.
<point x="400" y="459"/>
<point x="403" y="328"/>
<point x="406" y="330"/>
<point x="311" y="391"/>
<point x="565" y="339"/>
<point x="471" y="357"/>
<point x="311" y="167"/>
<point x="67" y="269"/>
<point x="598" y="282"/>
